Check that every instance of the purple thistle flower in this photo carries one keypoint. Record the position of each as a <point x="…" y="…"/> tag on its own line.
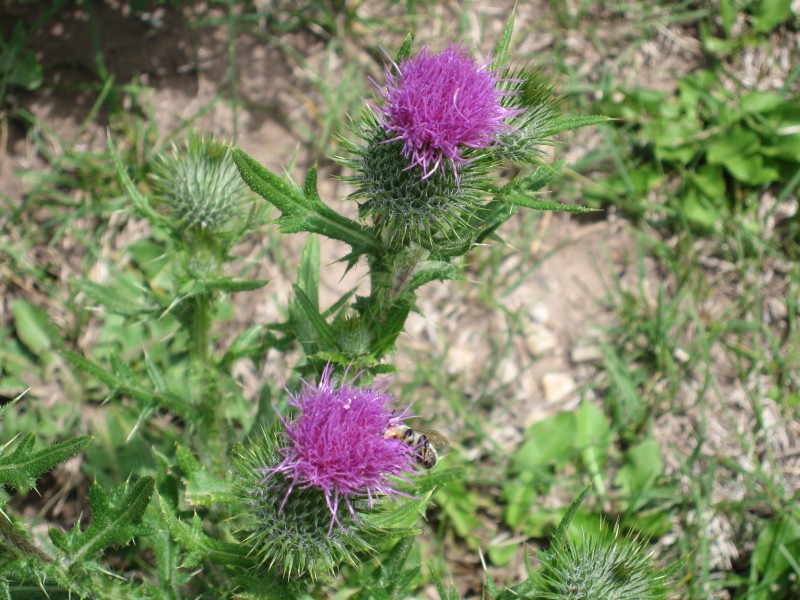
<point x="337" y="442"/>
<point x="440" y="104"/>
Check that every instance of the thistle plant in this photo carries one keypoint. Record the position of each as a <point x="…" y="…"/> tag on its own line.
<point x="255" y="505"/>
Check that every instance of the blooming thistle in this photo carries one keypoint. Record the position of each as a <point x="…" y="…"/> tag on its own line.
<point x="438" y="105"/>
<point x="424" y="170"/>
<point x="337" y="443"/>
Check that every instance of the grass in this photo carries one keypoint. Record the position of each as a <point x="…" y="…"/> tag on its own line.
<point x="695" y="402"/>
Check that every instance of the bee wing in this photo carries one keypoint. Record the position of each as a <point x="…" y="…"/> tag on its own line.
<point x="436" y="439"/>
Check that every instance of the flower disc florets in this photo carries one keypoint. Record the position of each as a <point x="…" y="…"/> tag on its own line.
<point x="337" y="442"/>
<point x="441" y="104"/>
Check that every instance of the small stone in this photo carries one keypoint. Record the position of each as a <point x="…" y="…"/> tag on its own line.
<point x="540" y="340"/>
<point x="540" y="313"/>
<point x="557" y="386"/>
<point x="680" y="355"/>
<point x="583" y="353"/>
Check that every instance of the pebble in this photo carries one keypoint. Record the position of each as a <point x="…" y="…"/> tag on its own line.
<point x="540" y="340"/>
<point x="557" y="386"/>
<point x="540" y="313"/>
<point x="583" y="353"/>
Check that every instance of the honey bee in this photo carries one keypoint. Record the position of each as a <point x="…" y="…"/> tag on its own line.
<point x="424" y="442"/>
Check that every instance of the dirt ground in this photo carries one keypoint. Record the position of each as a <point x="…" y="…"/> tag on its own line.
<point x="555" y="352"/>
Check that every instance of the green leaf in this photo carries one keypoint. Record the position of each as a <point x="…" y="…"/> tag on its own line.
<point x="520" y="191"/>
<point x="226" y="285"/>
<point x="304" y="211"/>
<point x="771" y="13"/>
<point x="560" y="536"/>
<point x="34" y="327"/>
<point x="198" y="545"/>
<point x="405" y="50"/>
<point x="321" y="327"/>
<point x="252" y="342"/>
<point x="390" y="329"/>
<point x="114" y="523"/>
<point x="140" y="203"/>
<point x="308" y="271"/>
<point x="22" y="467"/>
<point x="738" y="151"/>
<point x="757" y="102"/>
<point x="126" y="386"/>
<point x="202" y="488"/>
<point x="113" y="300"/>
<point x="551" y="441"/>
<point x="431" y="270"/>
<point x="501" y="49"/>
<point x="643" y="465"/>
<point x="780" y="537"/>
<point x="564" y="123"/>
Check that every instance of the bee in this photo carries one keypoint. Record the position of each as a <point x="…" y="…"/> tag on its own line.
<point x="424" y="442"/>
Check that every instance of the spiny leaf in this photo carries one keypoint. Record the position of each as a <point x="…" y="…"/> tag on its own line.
<point x="202" y="488"/>
<point x="111" y="525"/>
<point x="139" y="202"/>
<point x="123" y="385"/>
<point x="303" y="211"/>
<point x="227" y="285"/>
<point x="115" y="302"/>
<point x="198" y="545"/>
<point x="520" y="191"/>
<point x="431" y="270"/>
<point x="21" y="468"/>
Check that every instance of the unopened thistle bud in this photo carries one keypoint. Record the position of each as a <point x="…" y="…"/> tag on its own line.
<point x="611" y="567"/>
<point x="200" y="189"/>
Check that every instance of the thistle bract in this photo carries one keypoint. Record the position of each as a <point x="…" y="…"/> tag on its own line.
<point x="336" y="443"/>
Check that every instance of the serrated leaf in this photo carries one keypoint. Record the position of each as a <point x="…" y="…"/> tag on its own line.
<point x="198" y="545"/>
<point x="303" y="211"/>
<point x="122" y="385"/>
<point x="431" y="270"/>
<point x="520" y="192"/>
<point x="110" y="525"/>
<point x="22" y="467"/>
<point x="109" y="298"/>
<point x="202" y="488"/>
<point x="564" y="123"/>
<point x="227" y="285"/>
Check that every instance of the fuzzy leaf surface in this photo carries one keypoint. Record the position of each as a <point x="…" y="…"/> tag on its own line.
<point x="20" y="468"/>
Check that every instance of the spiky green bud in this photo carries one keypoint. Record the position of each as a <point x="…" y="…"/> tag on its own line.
<point x="199" y="188"/>
<point x="611" y="567"/>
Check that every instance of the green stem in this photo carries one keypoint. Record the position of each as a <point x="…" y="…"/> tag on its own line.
<point x="17" y="540"/>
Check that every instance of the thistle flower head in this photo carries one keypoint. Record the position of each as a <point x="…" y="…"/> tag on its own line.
<point x="441" y="104"/>
<point x="336" y="443"/>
